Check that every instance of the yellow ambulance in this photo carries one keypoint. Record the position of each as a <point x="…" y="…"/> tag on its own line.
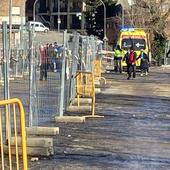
<point x="136" y="38"/>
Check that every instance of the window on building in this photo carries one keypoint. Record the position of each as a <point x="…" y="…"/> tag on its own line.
<point x="76" y="6"/>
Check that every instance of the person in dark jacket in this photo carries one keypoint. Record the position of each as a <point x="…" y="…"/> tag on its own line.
<point x="126" y="57"/>
<point x="130" y="58"/>
<point x="43" y="63"/>
<point x="144" y="64"/>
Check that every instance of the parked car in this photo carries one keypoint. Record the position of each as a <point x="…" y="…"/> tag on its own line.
<point x="38" y="26"/>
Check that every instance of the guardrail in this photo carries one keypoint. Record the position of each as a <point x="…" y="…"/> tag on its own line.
<point x="85" y="87"/>
<point x="9" y="127"/>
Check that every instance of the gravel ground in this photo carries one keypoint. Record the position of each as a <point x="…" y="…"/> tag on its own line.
<point x="133" y="135"/>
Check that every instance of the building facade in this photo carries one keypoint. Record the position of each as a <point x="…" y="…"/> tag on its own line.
<point x="65" y="14"/>
<point x="17" y="10"/>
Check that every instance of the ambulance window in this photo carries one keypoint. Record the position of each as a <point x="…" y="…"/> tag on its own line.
<point x="137" y="44"/>
<point x="126" y="43"/>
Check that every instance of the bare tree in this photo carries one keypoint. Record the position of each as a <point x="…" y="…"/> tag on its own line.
<point x="151" y="15"/>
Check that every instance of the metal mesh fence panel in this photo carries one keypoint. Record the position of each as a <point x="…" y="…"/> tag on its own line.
<point x="38" y="83"/>
<point x="47" y="82"/>
<point x="48" y="94"/>
<point x="80" y="54"/>
<point x="67" y="76"/>
<point x="167" y="53"/>
<point x="74" y="45"/>
<point x="1" y="67"/>
<point x="40" y="98"/>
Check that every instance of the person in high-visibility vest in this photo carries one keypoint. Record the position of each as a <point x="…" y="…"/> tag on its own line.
<point x="118" y="56"/>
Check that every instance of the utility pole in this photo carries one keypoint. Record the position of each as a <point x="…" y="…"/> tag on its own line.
<point x="22" y="23"/>
<point x="105" y="36"/>
<point x="59" y="20"/>
<point x="10" y="25"/>
<point x="9" y="46"/>
<point x="34" y="9"/>
<point x="6" y="60"/>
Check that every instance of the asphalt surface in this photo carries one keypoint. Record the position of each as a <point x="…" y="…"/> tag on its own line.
<point x="133" y="135"/>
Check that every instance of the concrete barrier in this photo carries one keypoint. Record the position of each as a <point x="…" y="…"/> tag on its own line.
<point x="97" y="90"/>
<point x="31" y="151"/>
<point x="34" y="142"/>
<point x="82" y="101"/>
<point x="79" y="109"/>
<point x="70" y="119"/>
<point x="45" y="131"/>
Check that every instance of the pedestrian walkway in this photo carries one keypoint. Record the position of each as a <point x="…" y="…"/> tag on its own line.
<point x="133" y="135"/>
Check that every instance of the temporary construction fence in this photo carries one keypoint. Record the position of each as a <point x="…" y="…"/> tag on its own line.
<point x="85" y="87"/>
<point x="80" y="68"/>
<point x="12" y="135"/>
<point x="167" y="53"/>
<point x="47" y="98"/>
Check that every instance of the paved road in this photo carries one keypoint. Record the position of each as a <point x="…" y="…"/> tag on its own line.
<point x="133" y="135"/>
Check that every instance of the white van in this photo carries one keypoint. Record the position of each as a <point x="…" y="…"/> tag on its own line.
<point x="38" y="26"/>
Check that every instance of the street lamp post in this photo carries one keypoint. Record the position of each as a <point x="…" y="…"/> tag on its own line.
<point x="34" y="9"/>
<point x="59" y="20"/>
<point x="105" y="36"/>
<point x="10" y="21"/>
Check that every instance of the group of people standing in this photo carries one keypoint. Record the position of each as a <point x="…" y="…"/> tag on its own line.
<point x="130" y="58"/>
<point x="48" y="55"/>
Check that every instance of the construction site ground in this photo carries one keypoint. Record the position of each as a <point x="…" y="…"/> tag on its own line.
<point x="133" y="135"/>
